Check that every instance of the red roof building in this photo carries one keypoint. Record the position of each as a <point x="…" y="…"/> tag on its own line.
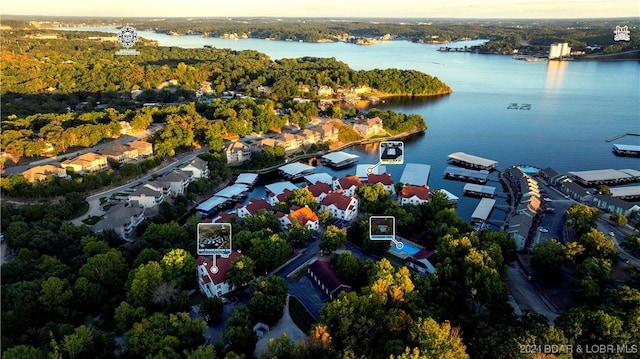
<point x="417" y="195"/>
<point x="212" y="280"/>
<point x="324" y="276"/>
<point x="341" y="206"/>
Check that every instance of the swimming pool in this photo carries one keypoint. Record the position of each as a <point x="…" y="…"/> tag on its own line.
<point x="529" y="170"/>
<point x="409" y="249"/>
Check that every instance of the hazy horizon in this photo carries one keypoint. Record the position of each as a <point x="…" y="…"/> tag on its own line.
<point x="332" y="9"/>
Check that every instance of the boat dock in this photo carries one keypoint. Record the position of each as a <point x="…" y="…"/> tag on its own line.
<point x="483" y="210"/>
<point x="248" y="179"/>
<point x="626" y="150"/>
<point x="295" y="170"/>
<point x="279" y="187"/>
<point x="463" y="174"/>
<point x="628" y="192"/>
<point x="606" y="177"/>
<point x="222" y="198"/>
<point x="339" y="159"/>
<point x="453" y="199"/>
<point x="611" y="139"/>
<point x="471" y="189"/>
<point x="470" y="161"/>
<point x="415" y="174"/>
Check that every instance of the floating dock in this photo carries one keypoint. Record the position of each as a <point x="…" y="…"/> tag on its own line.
<point x="471" y="189"/>
<point x="483" y="210"/>
<point x="463" y="174"/>
<point x="470" y="161"/>
<point x="611" y="139"/>
<point x="339" y="159"/>
<point x="296" y="170"/>
<point x="606" y="177"/>
<point x="626" y="150"/>
<point x="416" y="174"/>
<point x="248" y="179"/>
<point x="628" y="192"/>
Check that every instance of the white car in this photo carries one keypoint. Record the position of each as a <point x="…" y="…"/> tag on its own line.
<point x="546" y="199"/>
<point x="543" y="230"/>
<point x="612" y="234"/>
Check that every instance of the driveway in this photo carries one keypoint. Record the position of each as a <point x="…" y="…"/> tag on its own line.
<point x="284" y="325"/>
<point x="527" y="296"/>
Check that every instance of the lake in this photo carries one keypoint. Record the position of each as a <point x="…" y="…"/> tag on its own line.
<point x="575" y="105"/>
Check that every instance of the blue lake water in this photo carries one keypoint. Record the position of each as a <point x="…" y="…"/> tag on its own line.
<point x="575" y="106"/>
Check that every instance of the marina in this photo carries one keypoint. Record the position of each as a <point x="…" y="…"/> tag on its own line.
<point x="605" y="176"/>
<point x="464" y="174"/>
<point x="471" y="189"/>
<point x="483" y="210"/>
<point x="296" y="170"/>
<point x="415" y="174"/>
<point x="339" y="159"/>
<point x="471" y="161"/>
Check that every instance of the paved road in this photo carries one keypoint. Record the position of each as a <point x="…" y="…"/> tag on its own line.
<point x="619" y="233"/>
<point x="284" y="325"/>
<point x="121" y="140"/>
<point x="527" y="296"/>
<point x="94" y="200"/>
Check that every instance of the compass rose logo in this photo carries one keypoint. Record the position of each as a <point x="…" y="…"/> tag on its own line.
<point x="127" y="36"/>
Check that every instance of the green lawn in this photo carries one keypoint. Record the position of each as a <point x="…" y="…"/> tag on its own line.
<point x="300" y="316"/>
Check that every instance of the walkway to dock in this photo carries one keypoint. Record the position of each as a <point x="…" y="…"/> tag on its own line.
<point x="611" y="139"/>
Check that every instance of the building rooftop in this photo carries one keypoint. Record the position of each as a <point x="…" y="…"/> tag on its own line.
<point x="409" y="191"/>
<point x="349" y="181"/>
<point x="223" y="264"/>
<point x="325" y="274"/>
<point x="232" y="191"/>
<point x="362" y="170"/>
<point x="339" y="200"/>
<point x="247" y="178"/>
<point x="257" y="204"/>
<point x="39" y="173"/>
<point x="471" y="187"/>
<point x="303" y="216"/>
<point x="483" y="210"/>
<point x="145" y="191"/>
<point x="338" y="157"/>
<point x="628" y="191"/>
<point x="295" y="169"/>
<point x="279" y="187"/>
<point x="319" y="177"/>
<point x="605" y="176"/>
<point x="472" y="160"/>
<point x="319" y="188"/>
<point x="210" y="204"/>
<point x="117" y="216"/>
<point x="384" y="179"/>
<point x="416" y="174"/>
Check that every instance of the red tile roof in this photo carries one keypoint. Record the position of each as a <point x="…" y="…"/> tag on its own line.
<point x="303" y="216"/>
<point x="349" y="181"/>
<point x="319" y="188"/>
<point x="224" y="217"/>
<point x="325" y="274"/>
<point x="384" y="178"/>
<point x="421" y="192"/>
<point x="257" y="204"/>
<point x="337" y="199"/>
<point x="223" y="265"/>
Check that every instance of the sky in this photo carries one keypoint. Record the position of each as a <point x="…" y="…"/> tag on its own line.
<point x="511" y="9"/>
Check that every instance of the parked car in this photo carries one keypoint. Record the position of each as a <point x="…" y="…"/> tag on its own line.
<point x="543" y="230"/>
<point x="612" y="234"/>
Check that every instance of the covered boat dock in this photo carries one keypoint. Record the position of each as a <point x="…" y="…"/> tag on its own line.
<point x="626" y="150"/>
<point x="416" y="174"/>
<point x="339" y="159"/>
<point x="471" y="189"/>
<point x="463" y="174"/>
<point x="471" y="161"/>
<point x="483" y="210"/>
<point x="296" y="170"/>
<point x="606" y="176"/>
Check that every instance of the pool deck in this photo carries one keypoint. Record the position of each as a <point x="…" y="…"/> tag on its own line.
<point x="402" y="254"/>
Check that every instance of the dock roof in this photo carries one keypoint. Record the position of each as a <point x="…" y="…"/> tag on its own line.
<point x="213" y="202"/>
<point x="362" y="173"/>
<point x="279" y="187"/>
<point x="483" y="210"/>
<point x="604" y="175"/>
<point x="247" y="178"/>
<point x="295" y="168"/>
<point x="473" y="160"/>
<point x="622" y="147"/>
<point x="627" y="191"/>
<point x="463" y="172"/>
<point x="319" y="177"/>
<point x="338" y="157"/>
<point x="479" y="189"/>
<point x="232" y="191"/>
<point x="450" y="196"/>
<point x="416" y="174"/>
